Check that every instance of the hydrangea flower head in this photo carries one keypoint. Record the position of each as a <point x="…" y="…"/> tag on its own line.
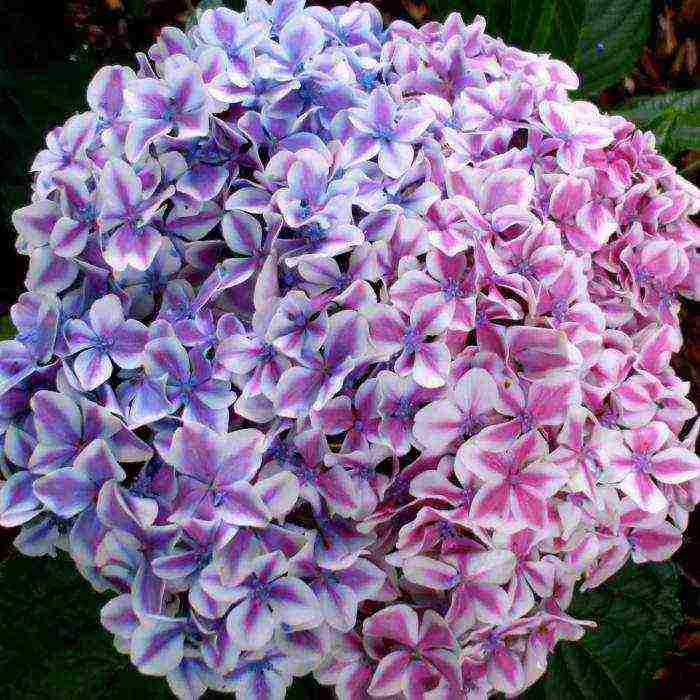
<point x="346" y="351"/>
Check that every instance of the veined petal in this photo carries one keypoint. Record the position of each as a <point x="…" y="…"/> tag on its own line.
<point x="57" y="418"/>
<point x="386" y="328"/>
<point x="397" y="622"/>
<point x="18" y="504"/>
<point x="675" y="465"/>
<point x="643" y="491"/>
<point x="438" y="424"/>
<point x="395" y="158"/>
<point x="431" y="364"/>
<point x="157" y="645"/>
<point x="66" y="492"/>
<point x="250" y="624"/>
<point x="241" y="506"/>
<point x="294" y="602"/>
<point x="388" y="678"/>
<point x="430" y="573"/>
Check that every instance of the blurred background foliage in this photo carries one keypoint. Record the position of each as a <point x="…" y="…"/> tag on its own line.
<point x="635" y="57"/>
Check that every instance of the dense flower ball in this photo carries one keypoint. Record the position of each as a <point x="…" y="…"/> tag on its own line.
<point x="346" y="350"/>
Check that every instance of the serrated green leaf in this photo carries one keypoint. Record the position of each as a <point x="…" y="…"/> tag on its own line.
<point x="674" y="117"/>
<point x="637" y="612"/>
<point x="574" y="675"/>
<point x="686" y="134"/>
<point x="566" y="27"/>
<point x="641" y="110"/>
<point x="613" y="34"/>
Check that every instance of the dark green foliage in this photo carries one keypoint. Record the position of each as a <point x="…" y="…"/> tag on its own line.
<point x="612" y="37"/>
<point x="43" y="74"/>
<point x="674" y="117"/>
<point x="637" y="612"/>
<point x="6" y="328"/>
<point x="644" y="110"/>
<point x="547" y="25"/>
<point x="52" y="645"/>
<point x="36" y="101"/>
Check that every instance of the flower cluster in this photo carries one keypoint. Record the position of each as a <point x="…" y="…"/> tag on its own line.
<point x="346" y="350"/>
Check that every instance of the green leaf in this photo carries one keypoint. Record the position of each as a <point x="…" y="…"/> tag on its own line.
<point x="7" y="330"/>
<point x="553" y="26"/>
<point x="686" y="133"/>
<point x="637" y="612"/>
<point x="642" y="110"/>
<point x="32" y="101"/>
<point x="563" y="41"/>
<point x="612" y="37"/>
<point x="674" y="117"/>
<point x="531" y="22"/>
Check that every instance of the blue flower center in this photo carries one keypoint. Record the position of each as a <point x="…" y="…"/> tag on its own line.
<point x="267" y="352"/>
<point x="472" y="425"/>
<point x="85" y="214"/>
<point x="404" y="409"/>
<point x="259" y="666"/>
<point x="304" y="208"/>
<point x="368" y="79"/>
<point x="104" y="343"/>
<point x="412" y="339"/>
<point x="309" y="93"/>
<point x="642" y="463"/>
<point x="451" y="289"/>
<point x="559" y="309"/>
<point x="385" y="134"/>
<point x="526" y="421"/>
